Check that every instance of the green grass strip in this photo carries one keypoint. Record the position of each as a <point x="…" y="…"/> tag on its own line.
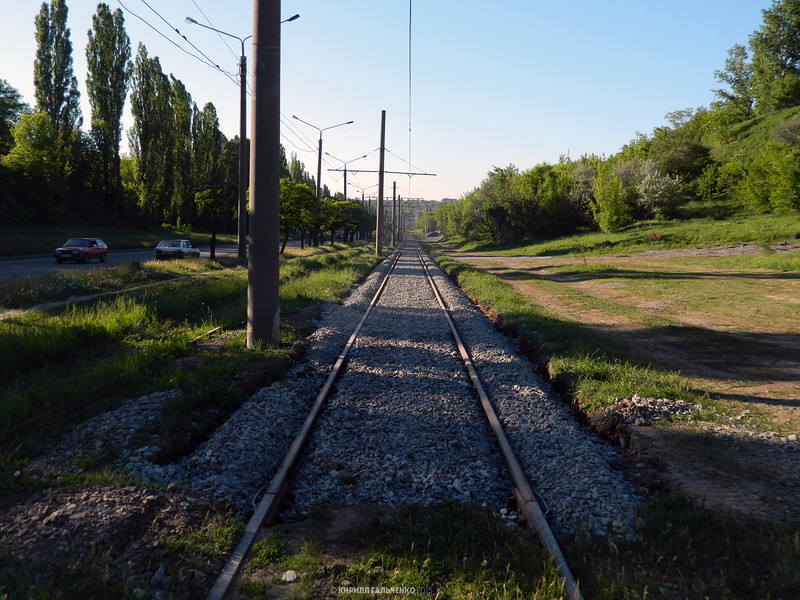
<point x="62" y="366"/>
<point x="597" y="370"/>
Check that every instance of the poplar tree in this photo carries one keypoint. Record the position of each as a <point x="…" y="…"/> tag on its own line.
<point x="207" y="143"/>
<point x="212" y="199"/>
<point x="151" y="134"/>
<point x="108" y="55"/>
<point x="181" y="211"/>
<point x="56" y="87"/>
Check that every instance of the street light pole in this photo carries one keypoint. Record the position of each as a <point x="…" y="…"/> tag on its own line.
<point x="319" y="151"/>
<point x="241" y="246"/>
<point x="241" y="241"/>
<point x="241" y="217"/>
<point x="319" y="157"/>
<point x="345" y="168"/>
<point x="379" y="217"/>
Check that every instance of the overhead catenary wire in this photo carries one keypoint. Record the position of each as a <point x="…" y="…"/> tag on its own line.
<point x="409" y="94"/>
<point x="300" y="143"/>
<point x="336" y="170"/>
<point x="421" y="171"/>
<point x="309" y="146"/>
<point x="222" y="38"/>
<point x="175" y="29"/>
<point x="206" y="62"/>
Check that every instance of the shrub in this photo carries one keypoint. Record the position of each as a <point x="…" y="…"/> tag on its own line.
<point x="611" y="207"/>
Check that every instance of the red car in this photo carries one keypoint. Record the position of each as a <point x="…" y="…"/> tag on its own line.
<point x="82" y="250"/>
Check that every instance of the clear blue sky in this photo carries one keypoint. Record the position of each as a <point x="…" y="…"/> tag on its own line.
<point x="493" y="83"/>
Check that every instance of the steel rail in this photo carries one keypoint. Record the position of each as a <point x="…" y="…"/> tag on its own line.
<point x="270" y="502"/>
<point x="524" y="493"/>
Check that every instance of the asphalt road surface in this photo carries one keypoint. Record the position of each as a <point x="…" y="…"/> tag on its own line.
<point x="38" y="265"/>
<point x="23" y="266"/>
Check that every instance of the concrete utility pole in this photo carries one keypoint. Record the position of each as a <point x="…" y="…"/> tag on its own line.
<point x="400" y="218"/>
<point x="263" y="304"/>
<point x="379" y="223"/>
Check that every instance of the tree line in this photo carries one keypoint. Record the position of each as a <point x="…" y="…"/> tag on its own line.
<point x="693" y="166"/>
<point x="181" y="169"/>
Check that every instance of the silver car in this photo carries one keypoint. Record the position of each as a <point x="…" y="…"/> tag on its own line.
<point x="176" y="249"/>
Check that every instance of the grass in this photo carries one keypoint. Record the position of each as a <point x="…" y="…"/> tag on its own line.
<point x="741" y="293"/>
<point x="321" y="277"/>
<point x="72" y="580"/>
<point x="601" y="377"/>
<point x="589" y="310"/>
<point x="751" y="136"/>
<point x="214" y="540"/>
<point x="597" y="369"/>
<point x="687" y="551"/>
<point x="450" y="550"/>
<point x="704" y="309"/>
<point x="96" y="572"/>
<point x="456" y="549"/>
<point x="63" y="365"/>
<point x="25" y="292"/>
<point x="272" y="556"/>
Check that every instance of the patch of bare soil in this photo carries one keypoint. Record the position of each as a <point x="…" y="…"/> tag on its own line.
<point x="66" y="537"/>
<point x="727" y="471"/>
<point x="734" y="468"/>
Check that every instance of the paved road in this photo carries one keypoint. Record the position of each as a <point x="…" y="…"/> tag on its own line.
<point x="40" y="265"/>
<point x="27" y="265"/>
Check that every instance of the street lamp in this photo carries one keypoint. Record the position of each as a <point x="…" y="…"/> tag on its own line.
<point x="319" y="152"/>
<point x="242" y="204"/>
<point x="345" y="168"/>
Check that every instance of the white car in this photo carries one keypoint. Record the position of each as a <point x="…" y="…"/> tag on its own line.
<point x="176" y="249"/>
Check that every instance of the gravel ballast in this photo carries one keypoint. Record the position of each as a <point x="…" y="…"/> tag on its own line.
<point x="406" y="426"/>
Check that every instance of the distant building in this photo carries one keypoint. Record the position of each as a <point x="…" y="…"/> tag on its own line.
<point x="449" y="200"/>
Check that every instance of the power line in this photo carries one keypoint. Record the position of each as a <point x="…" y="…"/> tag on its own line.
<point x="219" y="35"/>
<point x="175" y="29"/>
<point x="310" y="147"/>
<point x="311" y="144"/>
<point x="405" y="161"/>
<point x="409" y="92"/>
<point x="178" y="46"/>
<point x="302" y="139"/>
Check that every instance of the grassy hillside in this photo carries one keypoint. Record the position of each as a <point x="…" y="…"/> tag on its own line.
<point x="760" y="229"/>
<point x="748" y="138"/>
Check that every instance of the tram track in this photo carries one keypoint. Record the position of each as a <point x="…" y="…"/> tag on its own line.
<point x="409" y="381"/>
